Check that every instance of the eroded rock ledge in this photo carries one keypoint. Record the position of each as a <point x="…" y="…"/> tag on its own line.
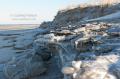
<point x="90" y="51"/>
<point x="69" y="49"/>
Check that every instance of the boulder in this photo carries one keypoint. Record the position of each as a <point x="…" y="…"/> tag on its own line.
<point x="68" y="70"/>
<point x="25" y="67"/>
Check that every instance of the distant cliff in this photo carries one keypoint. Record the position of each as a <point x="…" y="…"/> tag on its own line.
<point x="73" y="15"/>
<point x="84" y="13"/>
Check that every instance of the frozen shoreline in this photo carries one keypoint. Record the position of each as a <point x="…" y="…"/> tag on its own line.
<point x="14" y="41"/>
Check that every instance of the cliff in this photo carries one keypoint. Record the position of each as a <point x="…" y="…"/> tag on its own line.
<point x="81" y="13"/>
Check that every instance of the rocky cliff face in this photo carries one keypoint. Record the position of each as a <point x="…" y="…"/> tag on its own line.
<point x="70" y="49"/>
<point x="82" y="13"/>
<point x="87" y="50"/>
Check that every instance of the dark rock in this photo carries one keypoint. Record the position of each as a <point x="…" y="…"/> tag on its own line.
<point x="25" y="67"/>
<point x="86" y="56"/>
<point x="44" y="53"/>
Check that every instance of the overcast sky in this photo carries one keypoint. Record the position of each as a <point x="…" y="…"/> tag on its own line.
<point x="32" y="11"/>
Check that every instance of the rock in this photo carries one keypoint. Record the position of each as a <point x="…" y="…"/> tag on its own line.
<point x="83" y="44"/>
<point x="24" y="41"/>
<point x="76" y="65"/>
<point x="44" y="53"/>
<point x="64" y="32"/>
<point x="114" y="31"/>
<point x="25" y="67"/>
<point x="115" y="69"/>
<point x="23" y="44"/>
<point x="80" y="13"/>
<point x="98" y="69"/>
<point x="37" y="66"/>
<point x="2" y="76"/>
<point x="68" y="70"/>
<point x="103" y="49"/>
<point x="93" y="73"/>
<point x="86" y="56"/>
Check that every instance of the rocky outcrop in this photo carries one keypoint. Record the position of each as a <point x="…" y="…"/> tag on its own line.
<point x="74" y="49"/>
<point x="25" y="67"/>
<point x="90" y="54"/>
<point x="81" y="13"/>
<point x="70" y="49"/>
<point x="17" y="56"/>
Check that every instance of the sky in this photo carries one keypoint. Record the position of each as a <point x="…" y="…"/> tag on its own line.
<point x="32" y="11"/>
